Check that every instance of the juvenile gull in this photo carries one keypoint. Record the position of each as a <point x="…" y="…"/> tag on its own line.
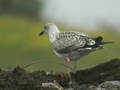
<point x="71" y="45"/>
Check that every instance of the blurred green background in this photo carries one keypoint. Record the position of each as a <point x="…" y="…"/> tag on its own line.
<point x="20" y="24"/>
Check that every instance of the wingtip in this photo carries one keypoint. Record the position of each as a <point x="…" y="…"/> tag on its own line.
<point x="111" y="42"/>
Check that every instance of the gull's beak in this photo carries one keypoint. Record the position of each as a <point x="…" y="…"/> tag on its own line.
<point x="41" y="33"/>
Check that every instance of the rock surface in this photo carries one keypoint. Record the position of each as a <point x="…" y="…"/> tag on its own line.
<point x="110" y="85"/>
<point x="105" y="76"/>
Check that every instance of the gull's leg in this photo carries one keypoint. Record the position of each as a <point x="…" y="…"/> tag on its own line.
<point x="68" y="60"/>
<point x="68" y="63"/>
<point x="69" y="68"/>
<point x="75" y="66"/>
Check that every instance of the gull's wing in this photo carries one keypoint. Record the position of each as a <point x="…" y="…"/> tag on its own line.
<point x="69" y="41"/>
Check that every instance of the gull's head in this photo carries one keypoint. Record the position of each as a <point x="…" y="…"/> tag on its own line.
<point x="49" y="28"/>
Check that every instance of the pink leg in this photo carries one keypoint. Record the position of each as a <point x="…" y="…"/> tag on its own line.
<point x="75" y="65"/>
<point x="68" y="60"/>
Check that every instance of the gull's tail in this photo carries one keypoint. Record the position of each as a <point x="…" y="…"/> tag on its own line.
<point x="99" y="41"/>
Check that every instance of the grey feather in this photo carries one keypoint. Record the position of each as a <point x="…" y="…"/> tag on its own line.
<point x="67" y="42"/>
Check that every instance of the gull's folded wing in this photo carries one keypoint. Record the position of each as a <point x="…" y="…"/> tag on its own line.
<point x="69" y="41"/>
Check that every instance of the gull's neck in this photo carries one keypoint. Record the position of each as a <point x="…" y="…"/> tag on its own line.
<point x="52" y="34"/>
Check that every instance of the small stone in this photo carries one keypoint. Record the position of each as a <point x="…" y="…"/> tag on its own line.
<point x="110" y="85"/>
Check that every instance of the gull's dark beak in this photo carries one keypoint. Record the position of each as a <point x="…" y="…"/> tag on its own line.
<point x="41" y="33"/>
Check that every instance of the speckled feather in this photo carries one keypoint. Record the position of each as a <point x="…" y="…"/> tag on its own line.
<point x="67" y="42"/>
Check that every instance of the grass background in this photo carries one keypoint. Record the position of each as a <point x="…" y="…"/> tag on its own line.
<point x="21" y="44"/>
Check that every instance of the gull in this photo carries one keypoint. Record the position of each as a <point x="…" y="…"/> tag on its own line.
<point x="71" y="45"/>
